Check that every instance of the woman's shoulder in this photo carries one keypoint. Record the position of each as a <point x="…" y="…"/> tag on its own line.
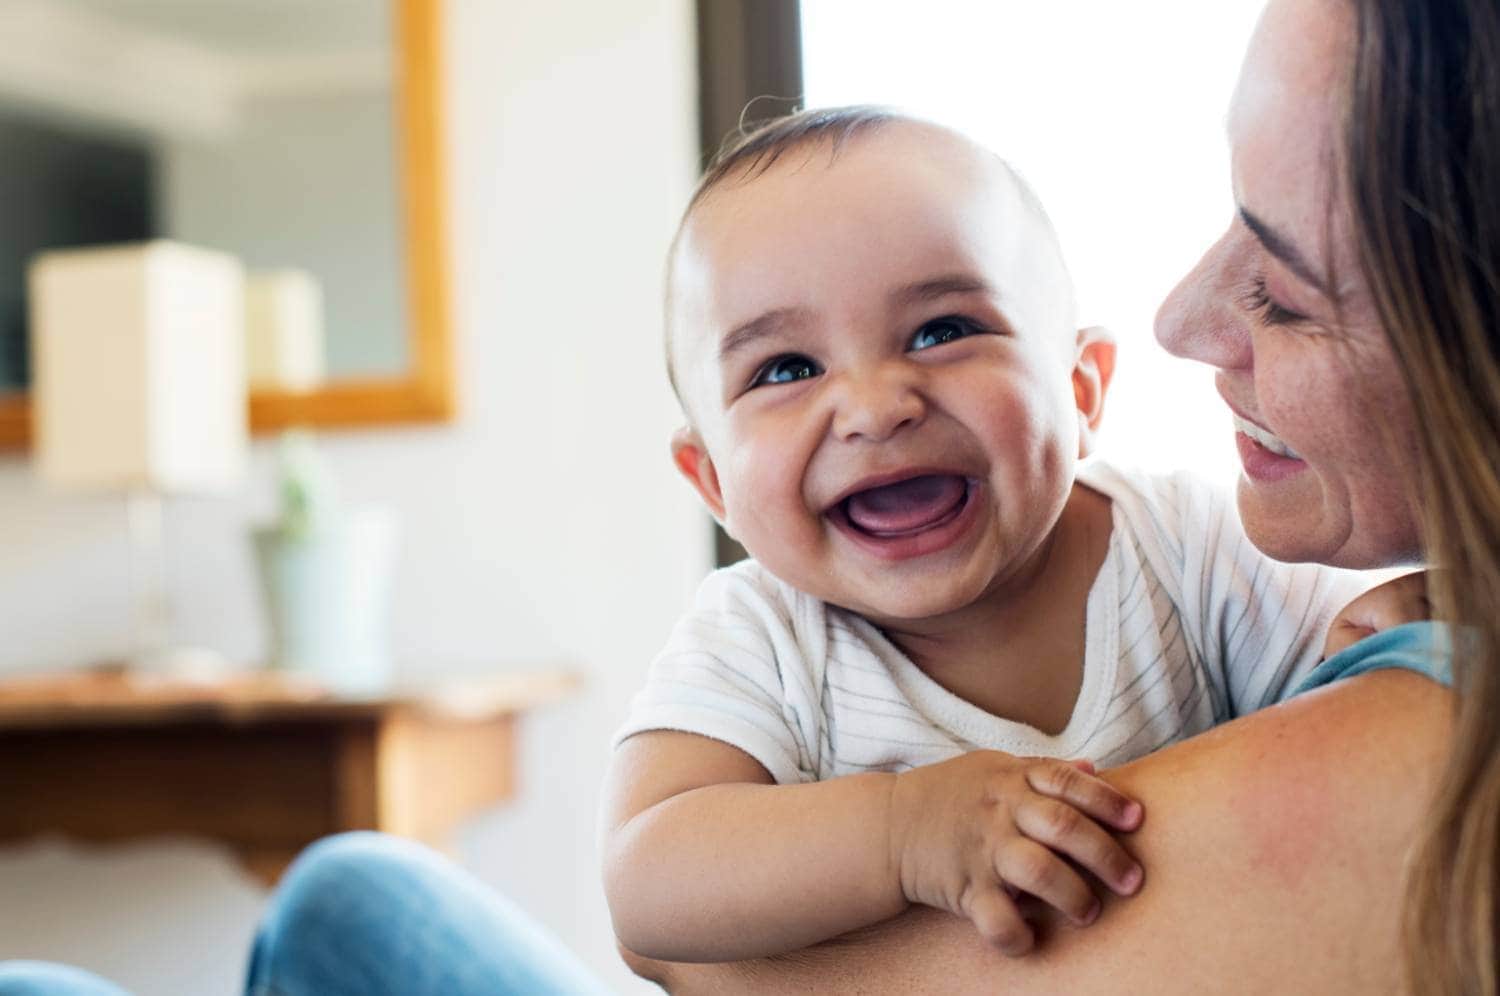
<point x="1303" y="813"/>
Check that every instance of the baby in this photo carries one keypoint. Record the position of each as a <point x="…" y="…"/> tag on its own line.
<point x="872" y="334"/>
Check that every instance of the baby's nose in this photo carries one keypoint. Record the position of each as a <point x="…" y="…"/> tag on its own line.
<point x="874" y="405"/>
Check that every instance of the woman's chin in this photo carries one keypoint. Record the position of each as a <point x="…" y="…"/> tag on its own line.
<point x="1289" y="520"/>
<point x="1297" y="522"/>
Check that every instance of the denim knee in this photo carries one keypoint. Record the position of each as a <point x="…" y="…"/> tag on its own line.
<point x="367" y="914"/>
<point x="39" y="978"/>
<point x="332" y="896"/>
<point x="345" y="917"/>
<point x="348" y="871"/>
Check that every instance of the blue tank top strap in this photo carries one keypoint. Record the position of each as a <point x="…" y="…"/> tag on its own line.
<point x="1424" y="647"/>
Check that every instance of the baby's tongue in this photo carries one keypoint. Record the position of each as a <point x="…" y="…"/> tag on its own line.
<point x="907" y="505"/>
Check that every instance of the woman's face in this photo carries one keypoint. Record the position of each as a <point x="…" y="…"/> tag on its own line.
<point x="1278" y="305"/>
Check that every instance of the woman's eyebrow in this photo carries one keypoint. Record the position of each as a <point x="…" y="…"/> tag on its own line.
<point x="767" y="324"/>
<point x="1282" y="248"/>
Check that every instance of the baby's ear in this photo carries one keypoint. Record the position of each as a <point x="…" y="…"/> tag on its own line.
<point x="1093" y="367"/>
<point x="693" y="463"/>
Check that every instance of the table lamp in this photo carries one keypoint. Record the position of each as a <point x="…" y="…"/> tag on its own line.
<point x="284" y="330"/>
<point x="138" y="388"/>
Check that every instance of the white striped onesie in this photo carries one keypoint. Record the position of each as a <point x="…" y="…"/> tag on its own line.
<point x="1188" y="625"/>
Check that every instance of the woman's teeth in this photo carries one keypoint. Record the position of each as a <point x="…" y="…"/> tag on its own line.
<point x="1264" y="438"/>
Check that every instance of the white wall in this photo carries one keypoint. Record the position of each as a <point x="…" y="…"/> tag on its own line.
<point x="544" y="526"/>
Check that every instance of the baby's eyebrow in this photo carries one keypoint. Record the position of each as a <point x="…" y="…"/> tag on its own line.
<point x="742" y="336"/>
<point x="928" y="290"/>
<point x="778" y="319"/>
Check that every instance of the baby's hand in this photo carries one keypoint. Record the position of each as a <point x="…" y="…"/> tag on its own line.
<point x="1400" y="601"/>
<point x="968" y="834"/>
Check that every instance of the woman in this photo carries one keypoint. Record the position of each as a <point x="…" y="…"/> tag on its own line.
<point x="1350" y="312"/>
<point x="1410" y="241"/>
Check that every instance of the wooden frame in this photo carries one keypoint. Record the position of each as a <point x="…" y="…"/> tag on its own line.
<point x="425" y="393"/>
<point x="747" y="49"/>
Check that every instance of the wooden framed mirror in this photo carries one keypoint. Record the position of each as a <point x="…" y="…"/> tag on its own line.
<point x="389" y="345"/>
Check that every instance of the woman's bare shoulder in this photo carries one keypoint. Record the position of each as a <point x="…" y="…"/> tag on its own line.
<point x="1274" y="847"/>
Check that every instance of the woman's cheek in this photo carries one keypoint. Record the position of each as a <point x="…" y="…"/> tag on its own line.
<point x="1299" y="393"/>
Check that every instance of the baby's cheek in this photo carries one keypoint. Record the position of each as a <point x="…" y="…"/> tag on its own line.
<point x="1034" y="443"/>
<point x="763" y="488"/>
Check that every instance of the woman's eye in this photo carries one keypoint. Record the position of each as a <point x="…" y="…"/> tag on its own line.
<point x="941" y="330"/>
<point x="784" y="370"/>
<point x="1258" y="302"/>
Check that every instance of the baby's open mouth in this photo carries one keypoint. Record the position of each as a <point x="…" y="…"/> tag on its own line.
<point x="904" y="508"/>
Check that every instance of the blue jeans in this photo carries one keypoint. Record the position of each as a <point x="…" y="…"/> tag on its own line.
<point x="38" y="978"/>
<point x="372" y="915"/>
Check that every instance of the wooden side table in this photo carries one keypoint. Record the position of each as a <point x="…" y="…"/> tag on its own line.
<point x="262" y="762"/>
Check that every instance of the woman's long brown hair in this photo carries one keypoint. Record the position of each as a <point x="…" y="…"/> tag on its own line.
<point x="1423" y="166"/>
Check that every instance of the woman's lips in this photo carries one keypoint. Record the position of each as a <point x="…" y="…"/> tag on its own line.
<point x="1264" y="436"/>
<point x="1263" y="465"/>
<point x="909" y="518"/>
<point x="1265" y="456"/>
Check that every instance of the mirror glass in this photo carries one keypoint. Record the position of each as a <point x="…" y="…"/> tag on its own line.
<point x="264" y="128"/>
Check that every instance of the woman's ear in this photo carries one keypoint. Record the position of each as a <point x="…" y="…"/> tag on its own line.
<point x="1093" y="367"/>
<point x="693" y="463"/>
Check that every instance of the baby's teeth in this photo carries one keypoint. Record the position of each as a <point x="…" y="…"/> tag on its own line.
<point x="1264" y="438"/>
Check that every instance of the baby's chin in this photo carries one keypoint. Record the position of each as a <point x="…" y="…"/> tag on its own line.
<point x="900" y="606"/>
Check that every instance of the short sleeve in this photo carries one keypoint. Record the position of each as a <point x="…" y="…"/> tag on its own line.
<point x="733" y="670"/>
<point x="1423" y="647"/>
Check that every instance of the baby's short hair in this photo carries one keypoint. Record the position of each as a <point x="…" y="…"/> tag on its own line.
<point x="750" y="151"/>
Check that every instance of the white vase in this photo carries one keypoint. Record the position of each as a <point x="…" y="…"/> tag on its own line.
<point x="328" y="600"/>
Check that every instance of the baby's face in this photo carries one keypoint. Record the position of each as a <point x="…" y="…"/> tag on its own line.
<point x="878" y="356"/>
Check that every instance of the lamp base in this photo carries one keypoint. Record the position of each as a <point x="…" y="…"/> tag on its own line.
<point x="192" y="664"/>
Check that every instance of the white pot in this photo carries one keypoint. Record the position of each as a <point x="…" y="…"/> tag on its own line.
<point x="328" y="600"/>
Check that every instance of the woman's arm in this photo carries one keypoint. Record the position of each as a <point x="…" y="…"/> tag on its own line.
<point x="1274" y="845"/>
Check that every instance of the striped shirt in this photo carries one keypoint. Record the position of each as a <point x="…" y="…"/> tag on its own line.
<point x="1187" y="625"/>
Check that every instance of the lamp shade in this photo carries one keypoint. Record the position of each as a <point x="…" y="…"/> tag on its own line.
<point x="284" y="330"/>
<point x="139" y="368"/>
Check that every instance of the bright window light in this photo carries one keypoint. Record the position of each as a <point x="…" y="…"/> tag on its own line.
<point x="1114" y="112"/>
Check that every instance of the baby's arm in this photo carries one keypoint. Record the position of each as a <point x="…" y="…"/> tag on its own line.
<point x="707" y="860"/>
<point x="1402" y="600"/>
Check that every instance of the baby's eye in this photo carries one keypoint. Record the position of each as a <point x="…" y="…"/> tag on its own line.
<point x="941" y="330"/>
<point x="784" y="370"/>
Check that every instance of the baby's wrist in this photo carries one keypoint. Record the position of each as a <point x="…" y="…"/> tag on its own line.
<point x="901" y="806"/>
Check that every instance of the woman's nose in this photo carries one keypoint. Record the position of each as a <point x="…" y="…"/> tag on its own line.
<point x="1202" y="318"/>
<point x="876" y="404"/>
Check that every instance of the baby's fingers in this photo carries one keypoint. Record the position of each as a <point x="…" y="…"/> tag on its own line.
<point x="1062" y="828"/>
<point x="995" y="916"/>
<point x="1086" y="792"/>
<point x="1032" y="868"/>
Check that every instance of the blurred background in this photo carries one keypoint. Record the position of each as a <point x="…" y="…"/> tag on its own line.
<point x="455" y="214"/>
